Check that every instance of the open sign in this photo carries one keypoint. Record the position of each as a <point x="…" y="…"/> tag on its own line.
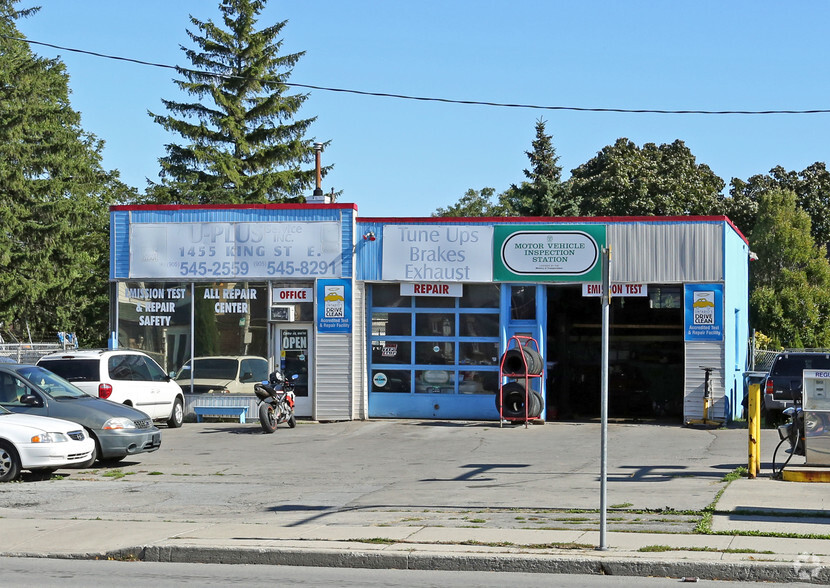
<point x="294" y="340"/>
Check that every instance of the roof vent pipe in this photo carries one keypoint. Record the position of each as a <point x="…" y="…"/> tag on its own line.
<point x="318" y="197"/>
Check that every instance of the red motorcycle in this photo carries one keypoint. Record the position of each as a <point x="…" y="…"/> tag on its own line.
<point x="276" y="401"/>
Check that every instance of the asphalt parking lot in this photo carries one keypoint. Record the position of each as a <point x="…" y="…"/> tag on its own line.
<point x="388" y="471"/>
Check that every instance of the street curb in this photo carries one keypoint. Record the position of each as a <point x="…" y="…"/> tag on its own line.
<point x="754" y="571"/>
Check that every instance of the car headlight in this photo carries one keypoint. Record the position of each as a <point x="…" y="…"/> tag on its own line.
<point x="119" y="423"/>
<point x="50" y="438"/>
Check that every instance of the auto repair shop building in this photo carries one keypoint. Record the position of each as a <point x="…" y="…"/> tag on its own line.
<point x="409" y="317"/>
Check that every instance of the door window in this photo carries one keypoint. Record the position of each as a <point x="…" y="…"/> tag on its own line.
<point x="294" y="357"/>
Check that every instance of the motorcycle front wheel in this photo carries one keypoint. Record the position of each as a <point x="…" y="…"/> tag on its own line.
<point x="292" y="422"/>
<point x="267" y="418"/>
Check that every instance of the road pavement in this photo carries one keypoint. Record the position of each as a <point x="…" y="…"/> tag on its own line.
<point x="436" y="495"/>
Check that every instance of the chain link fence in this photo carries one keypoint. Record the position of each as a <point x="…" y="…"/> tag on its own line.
<point x="28" y="352"/>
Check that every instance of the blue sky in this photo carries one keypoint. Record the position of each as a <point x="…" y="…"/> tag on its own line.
<point x="407" y="158"/>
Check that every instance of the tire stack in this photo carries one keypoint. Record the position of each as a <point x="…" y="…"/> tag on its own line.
<point x="522" y="364"/>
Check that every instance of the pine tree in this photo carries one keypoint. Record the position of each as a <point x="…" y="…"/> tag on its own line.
<point x="244" y="144"/>
<point x="544" y="193"/>
<point x="53" y="198"/>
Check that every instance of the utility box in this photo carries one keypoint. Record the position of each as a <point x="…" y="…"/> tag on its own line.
<point x="816" y="407"/>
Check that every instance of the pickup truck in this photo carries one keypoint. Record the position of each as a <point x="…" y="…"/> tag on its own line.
<point x="782" y="388"/>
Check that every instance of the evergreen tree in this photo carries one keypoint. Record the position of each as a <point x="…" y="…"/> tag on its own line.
<point x="244" y="143"/>
<point x="543" y="194"/>
<point x="53" y="199"/>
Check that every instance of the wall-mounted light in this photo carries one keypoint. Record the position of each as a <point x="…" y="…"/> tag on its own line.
<point x="370" y="236"/>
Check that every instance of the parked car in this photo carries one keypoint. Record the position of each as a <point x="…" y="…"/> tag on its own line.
<point x="6" y="359"/>
<point x="124" y="376"/>
<point x="223" y="374"/>
<point x="40" y="444"/>
<point x="118" y="430"/>
<point x="782" y="387"/>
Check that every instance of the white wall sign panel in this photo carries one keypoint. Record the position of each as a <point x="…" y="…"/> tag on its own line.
<point x="432" y="289"/>
<point x="445" y="253"/>
<point x="595" y="289"/>
<point x="283" y="295"/>
<point x="251" y="250"/>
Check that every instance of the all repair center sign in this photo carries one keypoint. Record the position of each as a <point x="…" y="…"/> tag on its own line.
<point x="703" y="304"/>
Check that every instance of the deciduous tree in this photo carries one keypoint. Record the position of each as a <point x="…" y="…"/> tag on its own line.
<point x="790" y="281"/>
<point x="811" y="187"/>
<point x="473" y="203"/>
<point x="664" y="180"/>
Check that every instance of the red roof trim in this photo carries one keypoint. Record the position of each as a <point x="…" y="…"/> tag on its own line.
<point x="550" y="219"/>
<point x="271" y="206"/>
<point x="553" y="219"/>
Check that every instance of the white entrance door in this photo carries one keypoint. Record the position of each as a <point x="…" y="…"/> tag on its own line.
<point x="293" y="345"/>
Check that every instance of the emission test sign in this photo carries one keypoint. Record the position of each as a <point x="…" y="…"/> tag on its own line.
<point x="565" y="253"/>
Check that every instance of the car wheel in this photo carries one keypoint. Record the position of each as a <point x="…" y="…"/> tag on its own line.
<point x="177" y="416"/>
<point x="9" y="462"/>
<point x="773" y="418"/>
<point x="111" y="461"/>
<point x="92" y="458"/>
<point x="43" y="474"/>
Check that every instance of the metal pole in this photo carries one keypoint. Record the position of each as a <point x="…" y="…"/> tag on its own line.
<point x="606" y="302"/>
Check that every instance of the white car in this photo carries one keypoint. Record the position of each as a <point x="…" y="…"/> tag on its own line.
<point x="40" y="444"/>
<point x="124" y="376"/>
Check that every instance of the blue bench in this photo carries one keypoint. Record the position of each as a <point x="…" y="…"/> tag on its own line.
<point x="240" y="411"/>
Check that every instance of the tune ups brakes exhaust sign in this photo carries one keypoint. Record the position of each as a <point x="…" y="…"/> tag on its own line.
<point x="548" y="252"/>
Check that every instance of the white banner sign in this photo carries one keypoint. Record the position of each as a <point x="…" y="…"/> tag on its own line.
<point x="444" y="253"/>
<point x="595" y="289"/>
<point x="223" y="250"/>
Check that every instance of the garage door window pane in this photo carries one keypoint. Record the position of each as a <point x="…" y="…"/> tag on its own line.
<point x="398" y="324"/>
<point x="391" y="352"/>
<point x="479" y="325"/>
<point x="435" y="323"/>
<point x="391" y="381"/>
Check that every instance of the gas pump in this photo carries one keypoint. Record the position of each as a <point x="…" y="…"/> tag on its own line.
<point x="816" y="413"/>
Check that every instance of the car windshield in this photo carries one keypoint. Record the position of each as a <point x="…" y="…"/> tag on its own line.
<point x="212" y="369"/>
<point x="52" y="384"/>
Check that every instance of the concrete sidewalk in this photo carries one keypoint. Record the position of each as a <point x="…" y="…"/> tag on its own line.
<point x="450" y="496"/>
<point x="709" y="556"/>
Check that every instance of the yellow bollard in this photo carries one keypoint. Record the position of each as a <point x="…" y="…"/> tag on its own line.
<point x="758" y="428"/>
<point x="754" y="428"/>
